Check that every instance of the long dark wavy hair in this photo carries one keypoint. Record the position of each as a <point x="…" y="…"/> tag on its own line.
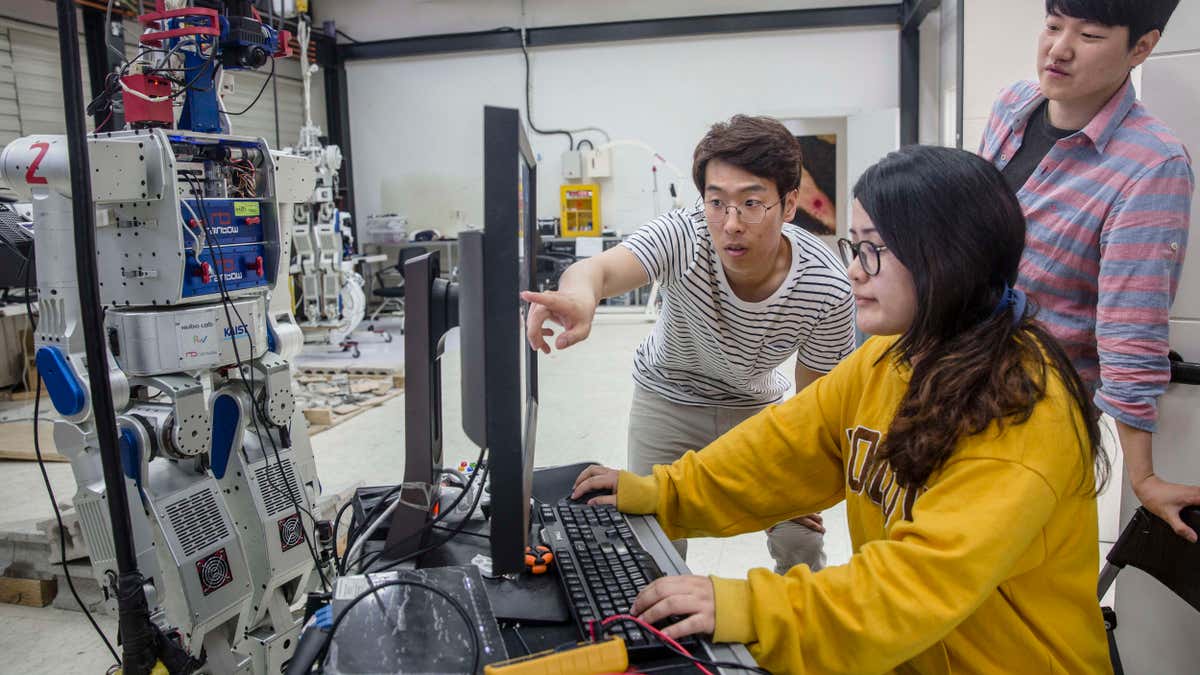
<point x="949" y="217"/>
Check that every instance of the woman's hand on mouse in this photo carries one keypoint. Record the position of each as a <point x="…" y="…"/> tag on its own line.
<point x="594" y="478"/>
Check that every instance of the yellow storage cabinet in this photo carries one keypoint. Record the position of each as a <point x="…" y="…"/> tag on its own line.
<point x="580" y="210"/>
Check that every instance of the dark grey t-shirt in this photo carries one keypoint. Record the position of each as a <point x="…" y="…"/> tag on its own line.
<point x="1040" y="137"/>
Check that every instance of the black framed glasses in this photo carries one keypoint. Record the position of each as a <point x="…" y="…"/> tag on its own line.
<point x="867" y="253"/>
<point x="751" y="212"/>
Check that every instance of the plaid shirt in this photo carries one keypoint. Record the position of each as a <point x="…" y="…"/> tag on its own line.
<point x="1107" y="212"/>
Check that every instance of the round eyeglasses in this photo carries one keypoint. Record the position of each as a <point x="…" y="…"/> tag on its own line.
<point x="751" y="212"/>
<point x="867" y="253"/>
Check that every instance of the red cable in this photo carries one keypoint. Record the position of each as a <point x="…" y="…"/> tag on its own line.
<point x="106" y="119"/>
<point x="656" y="632"/>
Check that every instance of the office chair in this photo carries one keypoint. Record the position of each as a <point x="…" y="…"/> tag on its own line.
<point x="393" y="296"/>
<point x="1150" y="545"/>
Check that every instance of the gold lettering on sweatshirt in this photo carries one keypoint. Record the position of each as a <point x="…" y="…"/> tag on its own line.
<point x="881" y="486"/>
<point x="863" y="442"/>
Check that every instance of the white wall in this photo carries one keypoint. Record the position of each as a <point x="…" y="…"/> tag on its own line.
<point x="939" y="76"/>
<point x="416" y="123"/>
<point x="1001" y="48"/>
<point x="383" y="19"/>
<point x="1183" y="33"/>
<point x="948" y="62"/>
<point x="930" y="117"/>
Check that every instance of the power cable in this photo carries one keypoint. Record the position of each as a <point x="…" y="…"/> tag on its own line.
<point x="257" y="410"/>
<point x="462" y="524"/>
<point x="37" y="450"/>
<point x="427" y="527"/>
<point x="260" y="92"/>
<point x="529" y="102"/>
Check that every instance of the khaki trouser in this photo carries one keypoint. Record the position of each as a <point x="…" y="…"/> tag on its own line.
<point x="661" y="431"/>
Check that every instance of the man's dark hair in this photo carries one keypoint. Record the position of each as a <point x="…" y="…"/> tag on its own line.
<point x="1139" y="16"/>
<point x="759" y="145"/>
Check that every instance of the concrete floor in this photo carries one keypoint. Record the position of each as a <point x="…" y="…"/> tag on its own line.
<point x="585" y="398"/>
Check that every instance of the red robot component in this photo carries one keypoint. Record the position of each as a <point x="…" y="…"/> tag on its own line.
<point x="155" y="38"/>
<point x="139" y="111"/>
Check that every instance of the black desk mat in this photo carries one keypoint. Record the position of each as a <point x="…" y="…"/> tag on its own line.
<point x="409" y="629"/>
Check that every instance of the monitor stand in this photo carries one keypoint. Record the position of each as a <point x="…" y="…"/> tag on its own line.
<point x="430" y="310"/>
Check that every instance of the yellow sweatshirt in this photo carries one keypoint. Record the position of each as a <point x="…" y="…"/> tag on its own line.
<point x="991" y="567"/>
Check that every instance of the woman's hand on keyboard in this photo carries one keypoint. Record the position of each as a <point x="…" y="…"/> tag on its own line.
<point x="597" y="478"/>
<point x="689" y="597"/>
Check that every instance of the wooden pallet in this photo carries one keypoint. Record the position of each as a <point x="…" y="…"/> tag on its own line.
<point x="322" y="419"/>
<point x="396" y="374"/>
<point x="28" y="592"/>
<point x="16" y="441"/>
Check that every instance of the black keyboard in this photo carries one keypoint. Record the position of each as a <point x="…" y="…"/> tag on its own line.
<point x="602" y="568"/>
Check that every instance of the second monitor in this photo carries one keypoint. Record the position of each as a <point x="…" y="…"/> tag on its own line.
<point x="499" y="401"/>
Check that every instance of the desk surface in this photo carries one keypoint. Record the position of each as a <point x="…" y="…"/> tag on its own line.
<point x="543" y="592"/>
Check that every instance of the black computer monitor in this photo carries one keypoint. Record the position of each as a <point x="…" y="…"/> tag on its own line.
<point x="499" y="402"/>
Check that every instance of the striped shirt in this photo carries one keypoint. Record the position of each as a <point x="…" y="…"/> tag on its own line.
<point x="1107" y="211"/>
<point x="710" y="347"/>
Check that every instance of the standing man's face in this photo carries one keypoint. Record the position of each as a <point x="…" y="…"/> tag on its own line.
<point x="1079" y="61"/>
<point x="745" y="248"/>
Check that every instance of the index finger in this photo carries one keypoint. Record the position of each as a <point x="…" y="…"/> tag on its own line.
<point x="597" y="482"/>
<point x="550" y="299"/>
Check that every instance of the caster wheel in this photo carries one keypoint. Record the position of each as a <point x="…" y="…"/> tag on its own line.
<point x="357" y="353"/>
<point x="387" y="337"/>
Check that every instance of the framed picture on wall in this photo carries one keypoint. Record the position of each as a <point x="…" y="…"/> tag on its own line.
<point x="817" y="211"/>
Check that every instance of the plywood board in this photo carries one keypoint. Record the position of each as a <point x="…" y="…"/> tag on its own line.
<point x="16" y="441"/>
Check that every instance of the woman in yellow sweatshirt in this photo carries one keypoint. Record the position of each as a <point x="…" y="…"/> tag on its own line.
<point x="961" y="439"/>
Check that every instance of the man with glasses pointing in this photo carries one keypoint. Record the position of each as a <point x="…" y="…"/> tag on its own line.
<point x="743" y="291"/>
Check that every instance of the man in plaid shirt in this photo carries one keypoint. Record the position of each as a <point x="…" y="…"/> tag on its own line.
<point x="1106" y="189"/>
